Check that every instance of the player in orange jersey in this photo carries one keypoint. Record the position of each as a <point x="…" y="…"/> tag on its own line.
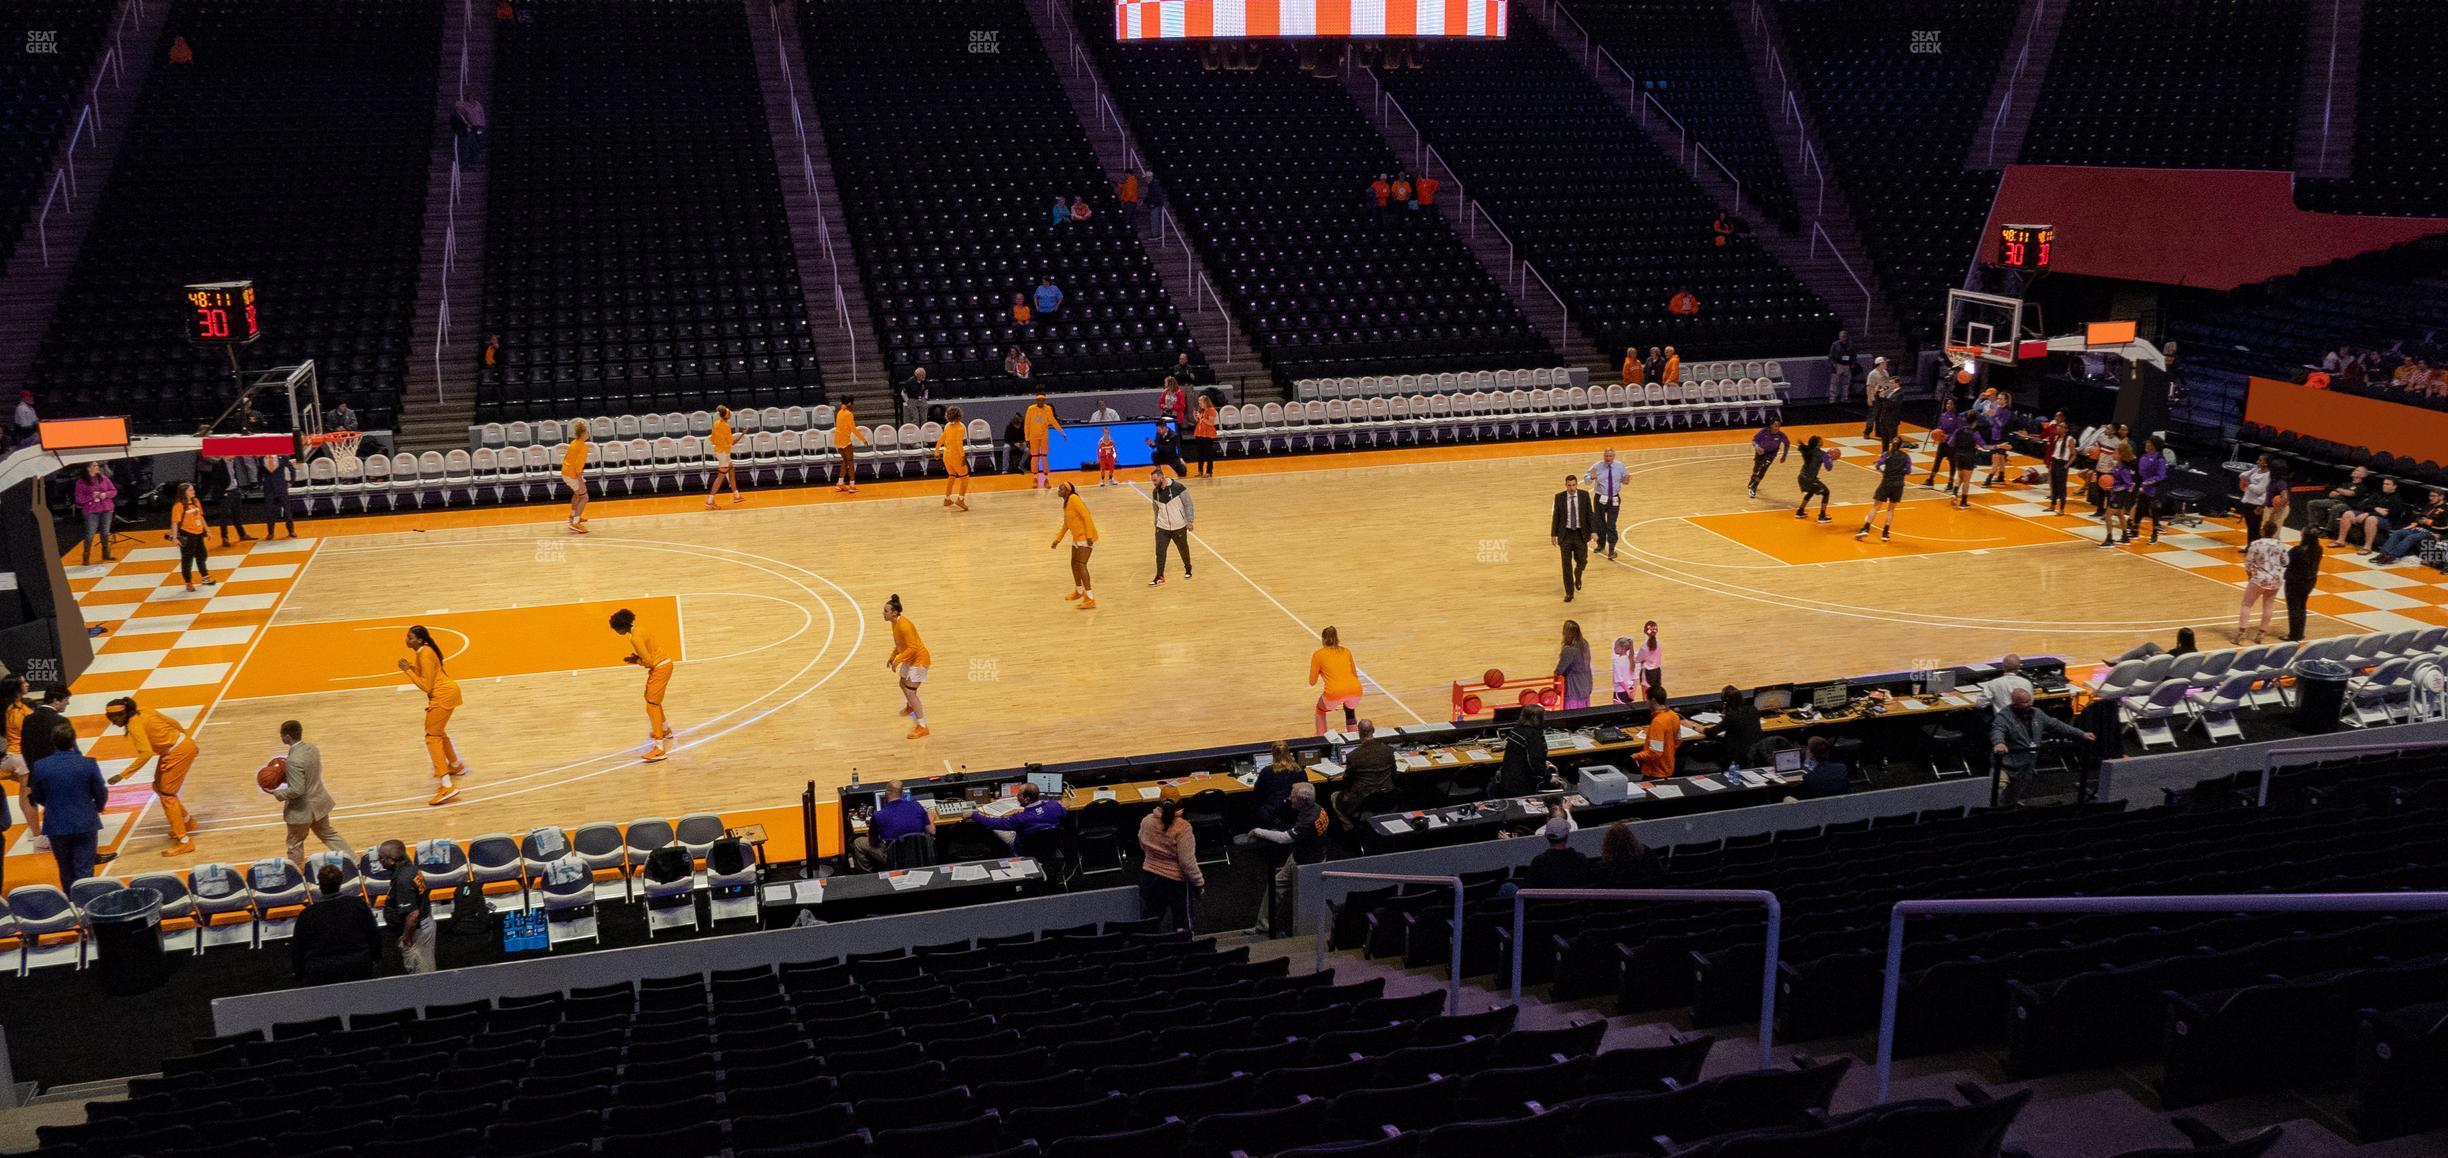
<point x="1332" y="665"/>
<point x="721" y="440"/>
<point x="424" y="668"/>
<point x="909" y="659"/>
<point x="648" y="654"/>
<point x="847" y="438"/>
<point x="1039" y="420"/>
<point x="573" y="472"/>
<point x="1080" y="528"/>
<point x="173" y="754"/>
<point x="953" y="448"/>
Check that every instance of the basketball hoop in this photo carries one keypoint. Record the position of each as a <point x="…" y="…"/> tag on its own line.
<point x="341" y="443"/>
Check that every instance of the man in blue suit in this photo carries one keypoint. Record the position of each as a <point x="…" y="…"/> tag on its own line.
<point x="67" y="785"/>
<point x="1822" y="777"/>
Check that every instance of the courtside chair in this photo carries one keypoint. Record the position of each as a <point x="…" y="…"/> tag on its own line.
<point x="2214" y="709"/>
<point x="91" y="888"/>
<point x="374" y="479"/>
<point x="541" y="848"/>
<point x="731" y="890"/>
<point x="2150" y="716"/>
<point x="598" y="845"/>
<point x="432" y="472"/>
<point x="697" y="832"/>
<point x="2120" y="681"/>
<point x="445" y="867"/>
<point x="48" y="928"/>
<point x="498" y="871"/>
<point x="650" y="425"/>
<point x="669" y="904"/>
<point x="278" y="891"/>
<point x="568" y="889"/>
<point x="484" y="470"/>
<point x="179" y="927"/>
<point x="350" y="882"/>
<point x="222" y="906"/>
<point x="645" y="835"/>
<point x="374" y="878"/>
<point x="2374" y="699"/>
<point x="458" y="474"/>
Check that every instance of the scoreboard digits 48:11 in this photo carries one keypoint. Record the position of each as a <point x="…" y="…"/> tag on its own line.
<point x="221" y="312"/>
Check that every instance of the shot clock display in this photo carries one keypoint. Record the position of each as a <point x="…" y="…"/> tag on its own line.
<point x="221" y="313"/>
<point x="2025" y="246"/>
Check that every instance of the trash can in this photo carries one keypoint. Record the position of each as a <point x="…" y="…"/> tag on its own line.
<point x="127" y="941"/>
<point x="2320" y="695"/>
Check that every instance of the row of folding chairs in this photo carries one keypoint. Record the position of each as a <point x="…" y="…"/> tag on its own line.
<point x="744" y="420"/>
<point x="1475" y="381"/>
<point x="1437" y="418"/>
<point x="2209" y="689"/>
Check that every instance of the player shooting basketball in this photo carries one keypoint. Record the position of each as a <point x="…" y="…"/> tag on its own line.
<point x="648" y="654"/>
<point x="425" y="670"/>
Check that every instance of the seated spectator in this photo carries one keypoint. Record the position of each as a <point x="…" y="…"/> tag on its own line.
<point x="1016" y="363"/>
<point x="1080" y="210"/>
<point x="1625" y="863"/>
<point x="2376" y="516"/>
<point x="1049" y="296"/>
<point x="1036" y="812"/>
<point x="1062" y="210"/>
<point x="898" y="816"/>
<point x="1021" y="315"/>
<point x="1822" y="777"/>
<point x="1273" y="791"/>
<point x="2357" y="490"/>
<point x="335" y="938"/>
<point x="2409" y="539"/>
<point x="1560" y="866"/>
<point x="1368" y="775"/>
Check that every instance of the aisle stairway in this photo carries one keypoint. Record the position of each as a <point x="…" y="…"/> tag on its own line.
<point x="443" y="352"/>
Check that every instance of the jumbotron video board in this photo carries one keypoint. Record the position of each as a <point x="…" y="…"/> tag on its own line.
<point x="1148" y="20"/>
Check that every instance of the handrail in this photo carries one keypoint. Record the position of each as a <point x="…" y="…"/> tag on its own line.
<point x="2272" y="757"/>
<point x="87" y="131"/>
<point x="1563" y="315"/>
<point x="444" y="317"/>
<point x="1452" y="178"/>
<point x="1818" y="234"/>
<point x="2218" y="903"/>
<point x="807" y="176"/>
<point x="42" y="223"/>
<point x="2014" y="79"/>
<point x="1699" y="150"/>
<point x="1479" y="210"/>
<point x="2329" y="85"/>
<point x="841" y="310"/>
<point x="1453" y="976"/>
<point x="1419" y="140"/>
<point x="1768" y="967"/>
<point x="1683" y="135"/>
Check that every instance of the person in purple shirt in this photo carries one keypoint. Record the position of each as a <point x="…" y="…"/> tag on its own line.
<point x="96" y="498"/>
<point x="2149" y="469"/>
<point x="1767" y="447"/>
<point x="1035" y="812"/>
<point x="898" y="816"/>
<point x="1950" y="420"/>
<point x="2000" y="422"/>
<point x="2118" y="485"/>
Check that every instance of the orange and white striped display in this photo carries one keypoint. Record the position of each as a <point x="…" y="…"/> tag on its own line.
<point x="1265" y="19"/>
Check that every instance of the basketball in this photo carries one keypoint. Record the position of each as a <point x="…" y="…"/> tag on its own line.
<point x="273" y="774"/>
<point x="1964" y="375"/>
<point x="1494" y="678"/>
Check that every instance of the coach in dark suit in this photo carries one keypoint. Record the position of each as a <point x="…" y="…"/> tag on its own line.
<point x="42" y="724"/>
<point x="68" y="787"/>
<point x="1574" y="520"/>
<point x="279" y="473"/>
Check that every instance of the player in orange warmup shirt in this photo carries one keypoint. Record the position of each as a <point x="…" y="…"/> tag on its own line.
<point x="909" y="660"/>
<point x="173" y="753"/>
<point x="1039" y="421"/>
<point x="573" y="472"/>
<point x="648" y="654"/>
<point x="953" y="448"/>
<point x="1080" y="528"/>
<point x="1332" y="665"/>
<point x="721" y="440"/>
<point x="847" y="438"/>
<point x="424" y="668"/>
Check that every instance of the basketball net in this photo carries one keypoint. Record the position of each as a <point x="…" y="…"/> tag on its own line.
<point x="341" y="443"/>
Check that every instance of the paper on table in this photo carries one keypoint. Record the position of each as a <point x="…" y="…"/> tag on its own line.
<point x="1582" y="742"/>
<point x="910" y="879"/>
<point x="1441" y="756"/>
<point x="1102" y="794"/>
<point x="1248" y="779"/>
<point x="1003" y="807"/>
<point x="968" y="872"/>
<point x="1432" y="728"/>
<point x="1004" y="874"/>
<point x="1911" y="705"/>
<point x="775" y="894"/>
<point x="808" y="892"/>
<point x="1397" y="825"/>
<point x="1665" y="791"/>
<point x="1150" y="792"/>
<point x="1327" y="768"/>
<point x="1436" y="822"/>
<point x="1478" y="754"/>
<point x="1414" y="760"/>
<point x="1341" y="737"/>
<point x="1710" y="784"/>
<point x="1708" y="719"/>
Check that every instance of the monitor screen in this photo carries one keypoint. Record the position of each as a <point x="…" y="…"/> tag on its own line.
<point x="1075" y="447"/>
<point x="1941" y="681"/>
<point x="1776" y="698"/>
<point x="1048" y="784"/>
<point x="1275" y="19"/>
<point x="1830" y="697"/>
<point x="1789" y="760"/>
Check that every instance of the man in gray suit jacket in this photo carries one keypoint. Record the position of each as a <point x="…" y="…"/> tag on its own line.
<point x="305" y="804"/>
<point x="2015" y="735"/>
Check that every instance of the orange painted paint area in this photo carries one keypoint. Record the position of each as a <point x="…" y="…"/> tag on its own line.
<point x="303" y="658"/>
<point x="1926" y="527"/>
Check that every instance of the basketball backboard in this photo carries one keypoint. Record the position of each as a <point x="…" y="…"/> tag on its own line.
<point x="1987" y="327"/>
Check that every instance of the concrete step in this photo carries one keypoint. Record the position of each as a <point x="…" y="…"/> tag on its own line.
<point x="440" y="399"/>
<point x="843" y="326"/>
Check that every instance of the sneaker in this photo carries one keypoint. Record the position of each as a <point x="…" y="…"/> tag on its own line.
<point x="577" y="529"/>
<point x="1073" y="597"/>
<point x="443" y="796"/>
<point x="905" y="710"/>
<point x="655" y="753"/>
<point x="1156" y="582"/>
<point x="1755" y="492"/>
<point x="1861" y="535"/>
<point x="1087" y="604"/>
<point x="1185" y="575"/>
<point x="1823" y="519"/>
<point x="42" y="844"/>
<point x="179" y="848"/>
<point x="1801" y="514"/>
<point x="1883" y="536"/>
<point x="667" y="734"/>
<point x="918" y="733"/>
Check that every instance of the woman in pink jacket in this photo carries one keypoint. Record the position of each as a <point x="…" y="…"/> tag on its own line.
<point x="96" y="498"/>
<point x="1168" y="863"/>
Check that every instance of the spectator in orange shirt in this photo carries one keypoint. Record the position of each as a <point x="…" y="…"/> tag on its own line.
<point x="1402" y="191"/>
<point x="1381" y="191"/>
<point x="1128" y="191"/>
<point x="180" y="53"/>
<point x="1020" y="310"/>
<point x="1633" y="372"/>
<point x="1427" y="188"/>
<point x="1723" y="230"/>
<point x="1662" y="739"/>
<point x="1683" y="305"/>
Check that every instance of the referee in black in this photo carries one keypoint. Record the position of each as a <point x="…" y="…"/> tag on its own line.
<point x="1569" y="527"/>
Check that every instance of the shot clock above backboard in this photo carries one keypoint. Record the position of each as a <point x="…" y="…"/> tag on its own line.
<point x="1282" y="19"/>
<point x="221" y="312"/>
<point x="2025" y="246"/>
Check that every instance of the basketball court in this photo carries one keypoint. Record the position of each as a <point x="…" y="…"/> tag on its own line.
<point x="1432" y="563"/>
